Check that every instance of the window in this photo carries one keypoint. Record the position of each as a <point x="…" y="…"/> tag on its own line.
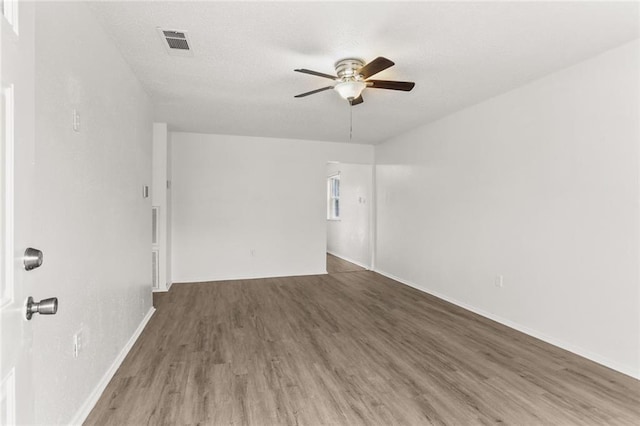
<point x="333" y="197"/>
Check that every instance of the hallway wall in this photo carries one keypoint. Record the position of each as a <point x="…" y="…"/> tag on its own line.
<point x="94" y="225"/>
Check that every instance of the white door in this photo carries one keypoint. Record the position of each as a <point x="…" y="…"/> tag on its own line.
<point x="16" y="196"/>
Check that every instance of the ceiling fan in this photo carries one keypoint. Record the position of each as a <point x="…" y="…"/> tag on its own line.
<point x="353" y="77"/>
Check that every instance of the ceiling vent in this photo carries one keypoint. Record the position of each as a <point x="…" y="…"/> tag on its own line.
<point x="176" y="42"/>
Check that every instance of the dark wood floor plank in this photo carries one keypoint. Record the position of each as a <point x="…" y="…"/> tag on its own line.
<point x="351" y="348"/>
<point x="336" y="265"/>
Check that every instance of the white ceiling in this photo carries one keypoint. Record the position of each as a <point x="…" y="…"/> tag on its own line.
<point x="240" y="79"/>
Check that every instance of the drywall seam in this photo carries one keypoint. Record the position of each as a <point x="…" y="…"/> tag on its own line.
<point x="93" y="398"/>
<point x="362" y="265"/>
<point x="526" y="330"/>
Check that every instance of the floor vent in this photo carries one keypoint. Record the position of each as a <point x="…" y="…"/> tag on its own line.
<point x="176" y="42"/>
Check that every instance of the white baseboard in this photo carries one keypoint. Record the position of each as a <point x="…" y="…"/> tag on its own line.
<point x="162" y="290"/>
<point x="179" y="281"/>
<point x="523" y="329"/>
<point x="362" y="265"/>
<point x="93" y="398"/>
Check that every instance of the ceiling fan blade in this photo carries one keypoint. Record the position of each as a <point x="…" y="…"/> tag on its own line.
<point x="302" y="95"/>
<point x="393" y="85"/>
<point x="316" y="73"/>
<point x="375" y="66"/>
<point x="356" y="101"/>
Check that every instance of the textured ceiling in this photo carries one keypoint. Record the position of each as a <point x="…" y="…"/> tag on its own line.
<point x="240" y="79"/>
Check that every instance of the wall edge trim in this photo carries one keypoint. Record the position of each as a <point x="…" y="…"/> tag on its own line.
<point x="244" y="277"/>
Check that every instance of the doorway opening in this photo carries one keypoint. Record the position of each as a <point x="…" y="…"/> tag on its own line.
<point x="349" y="216"/>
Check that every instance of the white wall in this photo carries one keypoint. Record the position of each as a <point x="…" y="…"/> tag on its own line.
<point x="95" y="227"/>
<point x="349" y="237"/>
<point x="539" y="185"/>
<point x="233" y="195"/>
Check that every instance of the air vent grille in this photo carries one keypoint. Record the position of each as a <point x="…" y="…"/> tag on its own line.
<point x="174" y="34"/>
<point x="155" y="269"/>
<point x="176" y="42"/>
<point x="154" y="225"/>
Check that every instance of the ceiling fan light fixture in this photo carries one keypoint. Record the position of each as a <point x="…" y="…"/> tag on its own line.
<point x="353" y="77"/>
<point x="350" y="89"/>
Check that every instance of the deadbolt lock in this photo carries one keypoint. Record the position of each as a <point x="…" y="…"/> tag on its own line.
<point x="32" y="258"/>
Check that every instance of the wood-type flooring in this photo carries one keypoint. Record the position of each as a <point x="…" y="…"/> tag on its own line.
<point x="350" y="348"/>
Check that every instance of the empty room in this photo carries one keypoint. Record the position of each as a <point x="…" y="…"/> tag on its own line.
<point x="320" y="213"/>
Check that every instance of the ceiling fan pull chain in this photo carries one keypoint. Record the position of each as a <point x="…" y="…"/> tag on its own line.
<point x="350" y="123"/>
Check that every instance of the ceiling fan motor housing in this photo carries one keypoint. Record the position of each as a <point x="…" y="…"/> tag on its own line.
<point x="347" y="69"/>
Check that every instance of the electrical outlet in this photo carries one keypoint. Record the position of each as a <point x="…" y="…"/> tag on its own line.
<point x="78" y="341"/>
<point x="499" y="281"/>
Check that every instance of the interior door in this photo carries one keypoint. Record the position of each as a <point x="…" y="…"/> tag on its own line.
<point x="16" y="217"/>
